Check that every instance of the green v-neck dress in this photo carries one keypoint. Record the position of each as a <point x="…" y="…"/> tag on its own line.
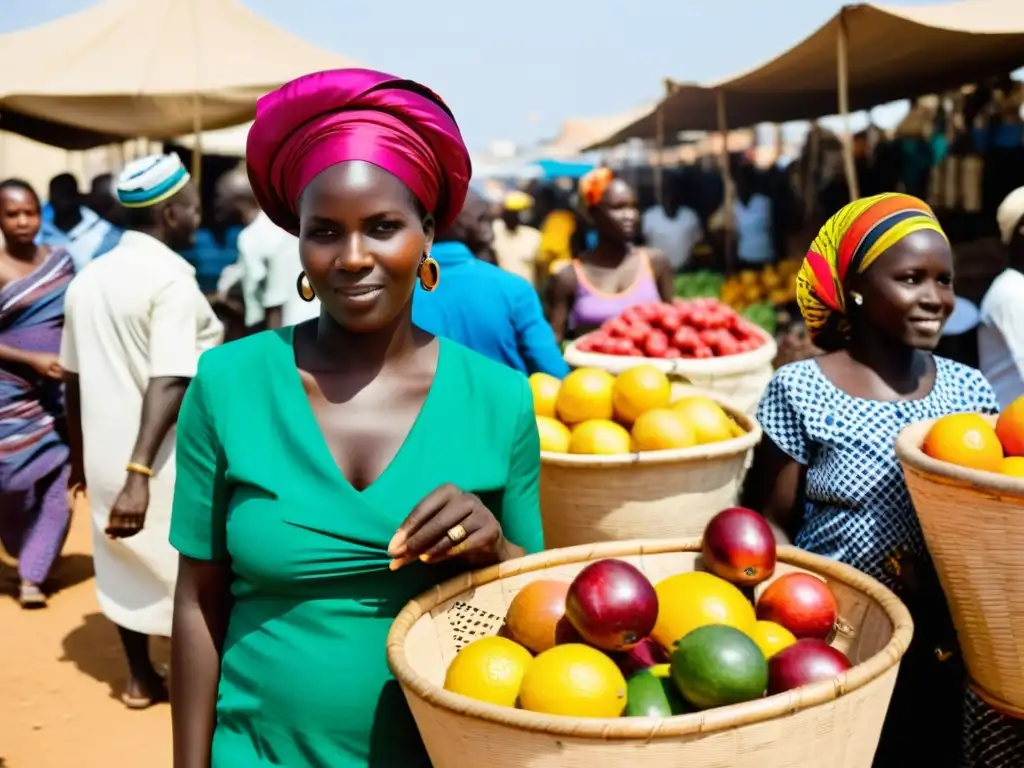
<point x="304" y="680"/>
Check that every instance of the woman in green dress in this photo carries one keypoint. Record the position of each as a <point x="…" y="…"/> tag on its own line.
<point x="330" y="471"/>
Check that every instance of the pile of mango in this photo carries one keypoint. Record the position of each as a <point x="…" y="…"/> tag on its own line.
<point x="774" y="284"/>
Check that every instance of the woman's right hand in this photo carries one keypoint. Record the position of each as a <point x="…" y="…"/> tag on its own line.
<point x="76" y="478"/>
<point x="46" y="364"/>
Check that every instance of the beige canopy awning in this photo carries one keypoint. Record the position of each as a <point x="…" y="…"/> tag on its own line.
<point x="576" y="133"/>
<point x="226" y="142"/>
<point x="893" y="52"/>
<point x="151" y="68"/>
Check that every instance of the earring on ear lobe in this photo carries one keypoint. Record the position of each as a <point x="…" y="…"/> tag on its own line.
<point x="429" y="272"/>
<point x="304" y="288"/>
<point x="857" y="298"/>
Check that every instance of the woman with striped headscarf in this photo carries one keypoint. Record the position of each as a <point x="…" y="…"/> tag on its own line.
<point x="875" y="290"/>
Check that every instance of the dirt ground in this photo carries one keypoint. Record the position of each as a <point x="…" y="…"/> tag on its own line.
<point x="61" y="676"/>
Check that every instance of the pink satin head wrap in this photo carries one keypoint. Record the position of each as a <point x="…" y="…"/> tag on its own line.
<point x="332" y="117"/>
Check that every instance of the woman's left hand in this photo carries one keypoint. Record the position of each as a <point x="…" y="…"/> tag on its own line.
<point x="447" y="523"/>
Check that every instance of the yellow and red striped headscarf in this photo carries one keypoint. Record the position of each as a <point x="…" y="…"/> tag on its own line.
<point x="848" y="244"/>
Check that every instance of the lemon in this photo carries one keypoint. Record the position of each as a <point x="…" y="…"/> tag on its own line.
<point x="574" y="680"/>
<point x="545" y="389"/>
<point x="585" y="394"/>
<point x="771" y="637"/>
<point x="638" y="390"/>
<point x="599" y="436"/>
<point x="662" y="429"/>
<point x="554" y="435"/>
<point x="490" y="669"/>
<point x="705" y="417"/>
<point x="695" y="599"/>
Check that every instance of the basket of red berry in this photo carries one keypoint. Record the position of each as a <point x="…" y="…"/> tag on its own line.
<point x="700" y="341"/>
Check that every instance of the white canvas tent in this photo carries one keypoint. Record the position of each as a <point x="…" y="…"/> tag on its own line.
<point x="146" y="68"/>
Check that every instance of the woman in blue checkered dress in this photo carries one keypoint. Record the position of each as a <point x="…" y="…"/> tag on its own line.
<point x="875" y="291"/>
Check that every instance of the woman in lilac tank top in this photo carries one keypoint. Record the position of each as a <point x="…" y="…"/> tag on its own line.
<point x="602" y="283"/>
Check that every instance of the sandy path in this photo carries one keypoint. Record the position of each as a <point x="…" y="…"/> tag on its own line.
<point x="61" y="673"/>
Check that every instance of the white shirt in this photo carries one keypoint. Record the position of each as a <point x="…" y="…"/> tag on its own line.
<point x="270" y="269"/>
<point x="675" y="237"/>
<point x="133" y="315"/>
<point x="1001" y="336"/>
<point x="754" y="229"/>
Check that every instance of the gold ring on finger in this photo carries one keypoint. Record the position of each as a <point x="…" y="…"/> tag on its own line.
<point x="457" y="533"/>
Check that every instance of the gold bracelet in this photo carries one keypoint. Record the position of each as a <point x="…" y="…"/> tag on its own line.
<point x="140" y="469"/>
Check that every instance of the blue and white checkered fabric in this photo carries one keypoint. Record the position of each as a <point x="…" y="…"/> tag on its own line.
<point x="857" y="508"/>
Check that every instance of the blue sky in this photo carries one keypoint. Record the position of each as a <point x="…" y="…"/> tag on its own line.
<point x="514" y="71"/>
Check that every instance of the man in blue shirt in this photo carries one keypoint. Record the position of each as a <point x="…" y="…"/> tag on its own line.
<point x="69" y="224"/>
<point x="480" y="305"/>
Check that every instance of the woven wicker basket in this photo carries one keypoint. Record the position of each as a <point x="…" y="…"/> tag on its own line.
<point x="833" y="724"/>
<point x="973" y="523"/>
<point x="741" y="378"/>
<point x="657" y="494"/>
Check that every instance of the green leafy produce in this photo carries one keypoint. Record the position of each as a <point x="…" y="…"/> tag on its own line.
<point x="703" y="283"/>
<point x="763" y="315"/>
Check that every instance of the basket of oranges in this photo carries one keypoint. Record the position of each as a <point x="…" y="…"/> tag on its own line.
<point x="718" y="652"/>
<point x="965" y="473"/>
<point x="634" y="456"/>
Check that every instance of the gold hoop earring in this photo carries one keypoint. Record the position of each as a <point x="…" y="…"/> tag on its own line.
<point x="304" y="288"/>
<point x="430" y="273"/>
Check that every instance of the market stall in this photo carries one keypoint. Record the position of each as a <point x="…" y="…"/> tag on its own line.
<point x="891" y="52"/>
<point x="196" y="65"/>
<point x="865" y="55"/>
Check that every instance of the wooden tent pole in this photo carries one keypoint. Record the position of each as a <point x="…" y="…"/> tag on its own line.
<point x="659" y="178"/>
<point x="723" y="159"/>
<point x="197" y="142"/>
<point x="843" y="73"/>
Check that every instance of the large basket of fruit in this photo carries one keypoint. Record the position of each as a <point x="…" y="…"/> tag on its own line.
<point x="700" y="341"/>
<point x="634" y="457"/>
<point x="966" y="479"/>
<point x="630" y="653"/>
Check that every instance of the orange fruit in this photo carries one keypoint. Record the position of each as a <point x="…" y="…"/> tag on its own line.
<point x="545" y="393"/>
<point x="695" y="599"/>
<point x="1010" y="428"/>
<point x="638" y="390"/>
<point x="489" y="669"/>
<point x="599" y="436"/>
<point x="536" y="616"/>
<point x="705" y="417"/>
<point x="1013" y="466"/>
<point x="965" y="439"/>
<point x="586" y="394"/>
<point x="554" y="435"/>
<point x="574" y="680"/>
<point x="771" y="637"/>
<point x="660" y="430"/>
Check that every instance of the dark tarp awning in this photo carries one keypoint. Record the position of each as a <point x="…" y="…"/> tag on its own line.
<point x="894" y="52"/>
